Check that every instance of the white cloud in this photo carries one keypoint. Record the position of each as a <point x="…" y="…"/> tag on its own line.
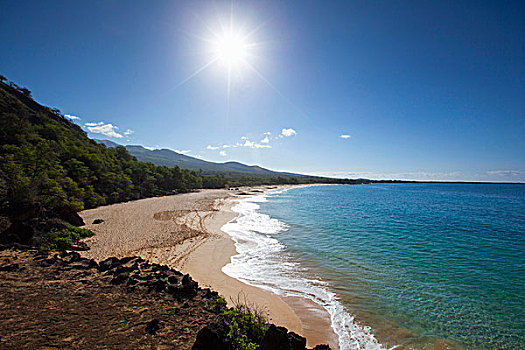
<point x="128" y="132"/>
<point x="183" y="151"/>
<point x="104" y="129"/>
<point x="288" y="132"/>
<point x="252" y="144"/>
<point x="223" y="153"/>
<point x="345" y="136"/>
<point x="267" y="133"/>
<point x="245" y="142"/>
<point x="71" y="117"/>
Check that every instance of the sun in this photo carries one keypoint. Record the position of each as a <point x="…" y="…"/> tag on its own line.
<point x="231" y="49"/>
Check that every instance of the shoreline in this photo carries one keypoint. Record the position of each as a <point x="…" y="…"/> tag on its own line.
<point x="184" y="232"/>
<point x="316" y="321"/>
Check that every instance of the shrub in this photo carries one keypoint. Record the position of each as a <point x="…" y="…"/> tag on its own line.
<point x="64" y="237"/>
<point x="247" y="324"/>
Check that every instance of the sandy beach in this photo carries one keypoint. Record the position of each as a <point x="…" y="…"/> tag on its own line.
<point x="184" y="232"/>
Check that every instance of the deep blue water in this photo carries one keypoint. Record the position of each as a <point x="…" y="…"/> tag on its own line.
<point x="418" y="263"/>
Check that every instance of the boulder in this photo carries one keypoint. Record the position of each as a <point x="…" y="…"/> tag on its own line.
<point x="108" y="264"/>
<point x="212" y="337"/>
<point x="69" y="215"/>
<point x="275" y="338"/>
<point x="296" y="341"/>
<point x="97" y="221"/>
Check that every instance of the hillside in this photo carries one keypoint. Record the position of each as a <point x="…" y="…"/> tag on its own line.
<point x="46" y="159"/>
<point x="171" y="158"/>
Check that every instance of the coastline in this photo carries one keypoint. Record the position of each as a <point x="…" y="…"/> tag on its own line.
<point x="184" y="232"/>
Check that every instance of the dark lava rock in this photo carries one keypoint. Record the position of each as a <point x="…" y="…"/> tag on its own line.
<point x="47" y="262"/>
<point x="296" y="341"/>
<point x="213" y="336"/>
<point x="70" y="257"/>
<point x="12" y="267"/>
<point x="275" y="338"/>
<point x="120" y="278"/>
<point x="69" y="215"/>
<point x="97" y="221"/>
<point x="127" y="259"/>
<point x="322" y="347"/>
<point x="85" y="264"/>
<point x="157" y="285"/>
<point x="152" y="326"/>
<point x="108" y="264"/>
<point x="80" y="246"/>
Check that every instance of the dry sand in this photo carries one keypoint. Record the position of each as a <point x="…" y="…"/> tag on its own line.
<point x="184" y="232"/>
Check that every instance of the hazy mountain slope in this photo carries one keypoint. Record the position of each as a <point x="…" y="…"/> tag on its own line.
<point x="171" y="158"/>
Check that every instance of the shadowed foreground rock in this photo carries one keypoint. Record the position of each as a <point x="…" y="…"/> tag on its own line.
<point x="61" y="300"/>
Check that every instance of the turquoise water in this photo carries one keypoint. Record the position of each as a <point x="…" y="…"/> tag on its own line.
<point x="420" y="264"/>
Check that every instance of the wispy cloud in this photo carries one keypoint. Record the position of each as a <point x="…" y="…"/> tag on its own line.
<point x="183" y="151"/>
<point x="416" y="175"/>
<point x="210" y="147"/>
<point x="223" y="153"/>
<point x="265" y="140"/>
<point x="128" y="132"/>
<point x="503" y="173"/>
<point x="345" y="136"/>
<point x="288" y="132"/>
<point x="102" y="128"/>
<point x="71" y="117"/>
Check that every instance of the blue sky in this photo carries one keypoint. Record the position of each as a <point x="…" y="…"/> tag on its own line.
<point x="424" y="89"/>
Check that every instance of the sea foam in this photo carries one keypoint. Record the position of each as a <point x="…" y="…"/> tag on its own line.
<point x="263" y="262"/>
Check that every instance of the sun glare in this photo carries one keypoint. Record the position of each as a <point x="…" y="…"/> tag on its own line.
<point x="231" y="49"/>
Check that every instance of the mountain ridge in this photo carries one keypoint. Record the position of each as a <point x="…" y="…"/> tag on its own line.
<point x="171" y="158"/>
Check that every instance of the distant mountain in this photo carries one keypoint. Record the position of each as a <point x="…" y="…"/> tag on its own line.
<point x="171" y="158"/>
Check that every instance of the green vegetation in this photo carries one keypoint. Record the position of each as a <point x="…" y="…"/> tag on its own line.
<point x="46" y="159"/>
<point x="65" y="237"/>
<point x="247" y="325"/>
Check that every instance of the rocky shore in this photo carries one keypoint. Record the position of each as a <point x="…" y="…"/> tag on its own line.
<point x="62" y="300"/>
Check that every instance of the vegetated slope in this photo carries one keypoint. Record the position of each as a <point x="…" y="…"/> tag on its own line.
<point x="168" y="157"/>
<point x="46" y="159"/>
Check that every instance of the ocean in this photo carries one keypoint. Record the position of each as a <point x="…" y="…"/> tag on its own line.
<point x="395" y="265"/>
